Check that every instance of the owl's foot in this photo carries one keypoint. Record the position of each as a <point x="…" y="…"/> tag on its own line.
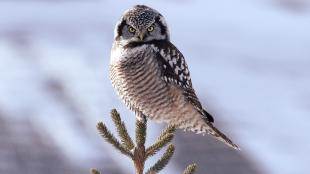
<point x="141" y="117"/>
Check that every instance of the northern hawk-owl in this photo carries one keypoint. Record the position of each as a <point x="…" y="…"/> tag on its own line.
<point x="151" y="76"/>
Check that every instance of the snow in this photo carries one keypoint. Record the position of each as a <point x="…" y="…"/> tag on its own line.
<point x="249" y="62"/>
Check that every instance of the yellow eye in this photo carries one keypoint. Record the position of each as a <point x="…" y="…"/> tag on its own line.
<point x="131" y="29"/>
<point x="150" y="29"/>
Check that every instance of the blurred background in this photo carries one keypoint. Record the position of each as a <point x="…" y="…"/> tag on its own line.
<point x="249" y="61"/>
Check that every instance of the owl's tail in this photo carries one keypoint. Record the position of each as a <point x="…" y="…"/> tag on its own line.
<point x="201" y="124"/>
<point x="220" y="136"/>
<point x="202" y="127"/>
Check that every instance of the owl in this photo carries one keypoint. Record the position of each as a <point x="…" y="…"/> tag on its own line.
<point x="151" y="76"/>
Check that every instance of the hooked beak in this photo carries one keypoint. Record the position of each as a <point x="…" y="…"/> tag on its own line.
<point x="141" y="36"/>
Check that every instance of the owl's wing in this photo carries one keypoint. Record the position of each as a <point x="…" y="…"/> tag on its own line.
<point x="175" y="70"/>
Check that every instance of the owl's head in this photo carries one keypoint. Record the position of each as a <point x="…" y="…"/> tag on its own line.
<point x="141" y="24"/>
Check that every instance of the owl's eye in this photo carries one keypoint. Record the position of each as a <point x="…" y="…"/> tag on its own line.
<point x="131" y="29"/>
<point x="150" y="29"/>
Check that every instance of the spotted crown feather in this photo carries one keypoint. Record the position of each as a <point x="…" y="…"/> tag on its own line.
<point x="141" y="15"/>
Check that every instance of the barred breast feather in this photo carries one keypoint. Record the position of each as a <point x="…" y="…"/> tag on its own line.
<point x="136" y="77"/>
<point x="153" y="79"/>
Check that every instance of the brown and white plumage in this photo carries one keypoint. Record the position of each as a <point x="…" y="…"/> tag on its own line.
<point x="150" y="74"/>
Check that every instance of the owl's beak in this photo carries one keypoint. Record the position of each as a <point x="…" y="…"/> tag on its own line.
<point x="141" y="36"/>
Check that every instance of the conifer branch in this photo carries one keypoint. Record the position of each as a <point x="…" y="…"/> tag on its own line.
<point x="109" y="137"/>
<point x="163" y="161"/>
<point x="121" y="130"/>
<point x="169" y="130"/>
<point x="137" y="151"/>
<point x="190" y="169"/>
<point x="161" y="142"/>
<point x="94" y="171"/>
<point x="140" y="132"/>
<point x="164" y="138"/>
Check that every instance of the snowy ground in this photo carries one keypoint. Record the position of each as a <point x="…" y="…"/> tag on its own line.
<point x="249" y="62"/>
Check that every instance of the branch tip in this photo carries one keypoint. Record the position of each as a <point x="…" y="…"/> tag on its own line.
<point x="94" y="171"/>
<point x="190" y="169"/>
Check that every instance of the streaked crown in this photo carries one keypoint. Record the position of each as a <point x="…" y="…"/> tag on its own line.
<point x="141" y="23"/>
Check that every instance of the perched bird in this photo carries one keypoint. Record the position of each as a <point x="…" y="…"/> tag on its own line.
<point x="151" y="76"/>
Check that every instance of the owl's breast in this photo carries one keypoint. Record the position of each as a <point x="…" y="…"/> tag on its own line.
<point x="136" y="76"/>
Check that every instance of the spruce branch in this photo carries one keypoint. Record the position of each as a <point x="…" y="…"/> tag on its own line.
<point x="169" y="130"/>
<point x="140" y="132"/>
<point x="121" y="130"/>
<point x="164" y="138"/>
<point x="161" y="142"/>
<point x="190" y="169"/>
<point x="137" y="152"/>
<point x="163" y="161"/>
<point x="109" y="137"/>
<point x="94" y="171"/>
